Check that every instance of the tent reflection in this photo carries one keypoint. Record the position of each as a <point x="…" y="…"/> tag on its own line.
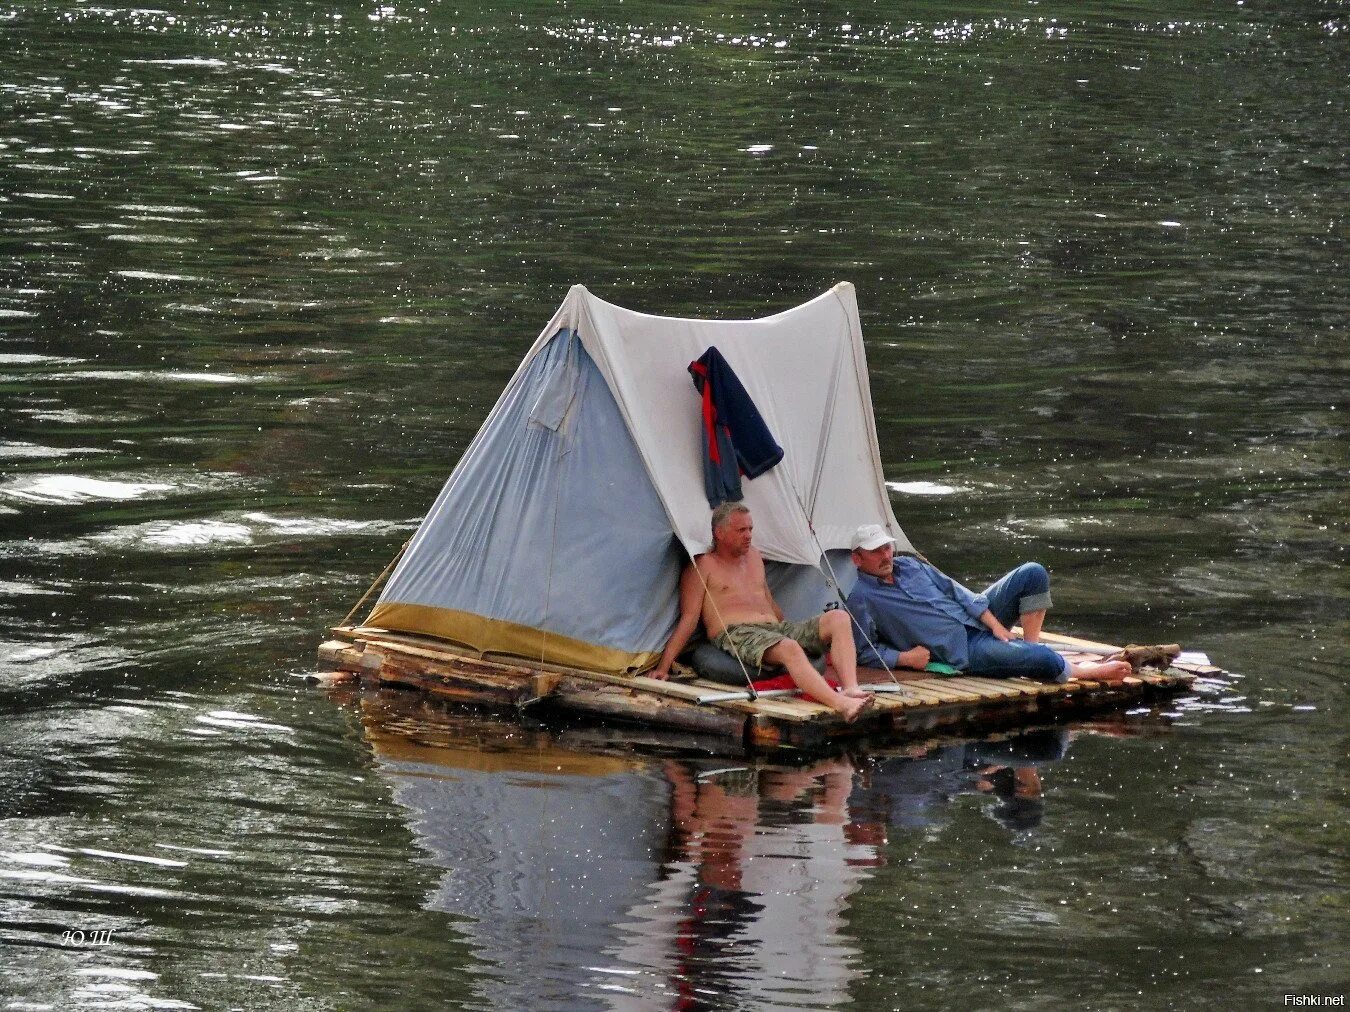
<point x="544" y="848"/>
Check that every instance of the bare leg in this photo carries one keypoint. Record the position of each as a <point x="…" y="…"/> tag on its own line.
<point x="1031" y="625"/>
<point x="1101" y="671"/>
<point x="837" y="631"/>
<point x="789" y="654"/>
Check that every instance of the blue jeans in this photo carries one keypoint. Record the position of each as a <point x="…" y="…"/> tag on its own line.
<point x="1026" y="588"/>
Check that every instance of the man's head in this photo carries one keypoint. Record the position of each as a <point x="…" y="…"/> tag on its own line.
<point x="873" y="550"/>
<point x="732" y="528"/>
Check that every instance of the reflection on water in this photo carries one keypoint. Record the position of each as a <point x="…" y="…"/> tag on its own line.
<point x="261" y="279"/>
<point x="545" y="849"/>
<point x="585" y="874"/>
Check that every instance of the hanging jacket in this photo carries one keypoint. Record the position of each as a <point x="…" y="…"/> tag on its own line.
<point x="735" y="439"/>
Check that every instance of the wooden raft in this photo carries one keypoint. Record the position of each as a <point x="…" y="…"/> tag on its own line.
<point x="916" y="707"/>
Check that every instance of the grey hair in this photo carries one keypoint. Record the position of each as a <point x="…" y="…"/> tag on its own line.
<point x="725" y="512"/>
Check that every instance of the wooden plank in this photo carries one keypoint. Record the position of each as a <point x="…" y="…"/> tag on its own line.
<point x="662" y="687"/>
<point x="798" y="710"/>
<point x="947" y="693"/>
<point x="868" y="676"/>
<point x="786" y="708"/>
<point x="782" y="707"/>
<point x="584" y="695"/>
<point x="931" y="696"/>
<point x="892" y="702"/>
<point x="1026" y="686"/>
<point x="435" y="660"/>
<point x="1091" y="646"/>
<point x="989" y="688"/>
<point x="900" y="698"/>
<point x="467" y="688"/>
<point x="542" y="686"/>
<point x="1168" y="677"/>
<point x="791" y="707"/>
<point x="1034" y="687"/>
<point x="332" y="654"/>
<point x="896" y="699"/>
<point x="924" y="698"/>
<point x="920" y="691"/>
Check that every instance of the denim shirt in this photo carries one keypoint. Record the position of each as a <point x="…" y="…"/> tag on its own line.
<point x="923" y="607"/>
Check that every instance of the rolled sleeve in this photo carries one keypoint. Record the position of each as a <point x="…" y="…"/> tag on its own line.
<point x="977" y="605"/>
<point x="888" y="657"/>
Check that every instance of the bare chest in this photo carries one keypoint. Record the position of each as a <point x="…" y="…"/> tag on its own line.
<point x="741" y="581"/>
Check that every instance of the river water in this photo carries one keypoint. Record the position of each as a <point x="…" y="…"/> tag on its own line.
<point x="266" y="268"/>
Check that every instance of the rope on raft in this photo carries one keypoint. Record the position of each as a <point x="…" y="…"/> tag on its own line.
<point x="378" y="580"/>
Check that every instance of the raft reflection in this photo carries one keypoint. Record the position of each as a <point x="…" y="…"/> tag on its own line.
<point x="585" y="874"/>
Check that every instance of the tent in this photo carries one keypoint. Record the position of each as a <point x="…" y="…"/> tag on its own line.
<point x="560" y="536"/>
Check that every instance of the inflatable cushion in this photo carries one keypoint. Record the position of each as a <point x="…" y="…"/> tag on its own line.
<point x="717" y="665"/>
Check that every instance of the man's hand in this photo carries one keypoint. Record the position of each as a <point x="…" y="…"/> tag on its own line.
<point x="995" y="626"/>
<point x="659" y="673"/>
<point x="916" y="658"/>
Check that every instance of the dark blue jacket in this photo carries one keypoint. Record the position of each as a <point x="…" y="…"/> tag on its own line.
<point x="735" y="439"/>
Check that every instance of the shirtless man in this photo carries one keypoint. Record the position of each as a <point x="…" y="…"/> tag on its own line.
<point x="742" y="618"/>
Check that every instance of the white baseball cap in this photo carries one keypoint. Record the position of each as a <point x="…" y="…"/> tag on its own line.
<point x="870" y="536"/>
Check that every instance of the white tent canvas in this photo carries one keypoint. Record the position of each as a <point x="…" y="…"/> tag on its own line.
<point x="560" y="535"/>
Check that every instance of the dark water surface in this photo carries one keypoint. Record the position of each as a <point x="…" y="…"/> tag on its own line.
<point x="265" y="268"/>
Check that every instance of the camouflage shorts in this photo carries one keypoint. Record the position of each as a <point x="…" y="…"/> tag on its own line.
<point x="749" y="640"/>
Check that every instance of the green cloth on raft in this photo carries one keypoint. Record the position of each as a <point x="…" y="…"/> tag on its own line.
<point x="938" y="668"/>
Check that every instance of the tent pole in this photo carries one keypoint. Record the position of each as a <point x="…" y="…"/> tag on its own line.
<point x="378" y="580"/>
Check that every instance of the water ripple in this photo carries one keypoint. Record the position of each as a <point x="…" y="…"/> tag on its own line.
<point x="73" y="488"/>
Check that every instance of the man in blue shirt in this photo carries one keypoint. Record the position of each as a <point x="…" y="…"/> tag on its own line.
<point x="907" y="612"/>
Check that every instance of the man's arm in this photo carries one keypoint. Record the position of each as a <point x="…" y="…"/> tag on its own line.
<point x="872" y="648"/>
<point x="691" y="609"/>
<point x="995" y="626"/>
<point x="764" y="582"/>
<point x="975" y="605"/>
<point x="773" y="604"/>
<point x="872" y="653"/>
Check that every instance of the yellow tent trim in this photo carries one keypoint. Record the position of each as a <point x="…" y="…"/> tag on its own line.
<point x="483" y="636"/>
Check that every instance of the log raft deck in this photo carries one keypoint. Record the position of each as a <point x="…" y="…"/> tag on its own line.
<point x="916" y="706"/>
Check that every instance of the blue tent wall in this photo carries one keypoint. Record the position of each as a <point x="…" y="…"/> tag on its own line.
<point x="548" y="542"/>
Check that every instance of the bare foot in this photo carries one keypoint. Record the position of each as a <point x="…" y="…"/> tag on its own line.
<point x="863" y="705"/>
<point x="847" y="707"/>
<point x="858" y="693"/>
<point x="1105" y="671"/>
